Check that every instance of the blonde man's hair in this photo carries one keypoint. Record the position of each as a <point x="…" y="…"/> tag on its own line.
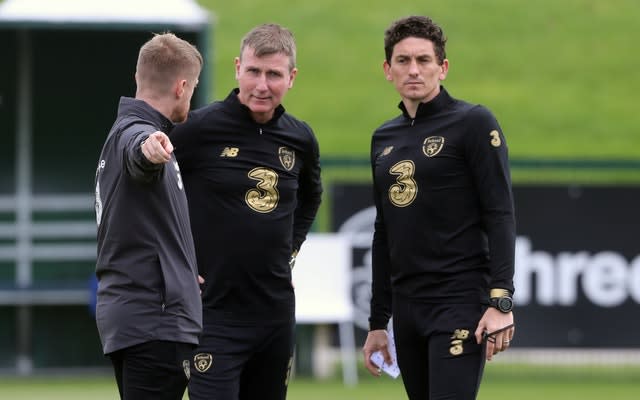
<point x="165" y="58"/>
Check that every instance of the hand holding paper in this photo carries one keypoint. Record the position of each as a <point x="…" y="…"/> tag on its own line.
<point x="378" y="359"/>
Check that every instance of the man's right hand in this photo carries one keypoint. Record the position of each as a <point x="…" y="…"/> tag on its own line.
<point x="157" y="148"/>
<point x="377" y="340"/>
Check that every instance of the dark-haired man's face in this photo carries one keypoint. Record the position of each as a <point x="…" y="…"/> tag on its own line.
<point x="414" y="69"/>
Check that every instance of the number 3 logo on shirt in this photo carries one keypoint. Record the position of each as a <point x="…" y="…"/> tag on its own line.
<point x="264" y="198"/>
<point x="405" y="190"/>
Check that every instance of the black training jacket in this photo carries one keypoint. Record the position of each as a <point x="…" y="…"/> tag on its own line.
<point x="146" y="265"/>
<point x="253" y="192"/>
<point x="445" y="226"/>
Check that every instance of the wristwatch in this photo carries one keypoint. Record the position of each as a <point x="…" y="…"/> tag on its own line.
<point x="503" y="304"/>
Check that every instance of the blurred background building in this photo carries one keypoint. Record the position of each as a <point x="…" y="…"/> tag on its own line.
<point x="64" y="66"/>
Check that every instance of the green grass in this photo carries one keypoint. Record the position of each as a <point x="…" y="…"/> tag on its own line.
<point x="561" y="76"/>
<point x="522" y="382"/>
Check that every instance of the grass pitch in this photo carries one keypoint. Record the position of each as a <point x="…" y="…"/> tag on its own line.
<point x="522" y="382"/>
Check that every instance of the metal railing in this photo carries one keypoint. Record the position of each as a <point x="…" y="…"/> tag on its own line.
<point x="25" y="241"/>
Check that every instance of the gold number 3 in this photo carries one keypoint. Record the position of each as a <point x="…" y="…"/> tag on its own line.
<point x="264" y="198"/>
<point x="495" y="138"/>
<point x="404" y="191"/>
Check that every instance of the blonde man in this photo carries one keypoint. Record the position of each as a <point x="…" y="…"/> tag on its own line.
<point x="149" y="312"/>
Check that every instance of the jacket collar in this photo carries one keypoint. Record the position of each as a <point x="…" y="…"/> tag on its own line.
<point x="239" y="109"/>
<point x="141" y="109"/>
<point x="433" y="106"/>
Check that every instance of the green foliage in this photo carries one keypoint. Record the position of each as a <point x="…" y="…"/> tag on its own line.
<point x="561" y="76"/>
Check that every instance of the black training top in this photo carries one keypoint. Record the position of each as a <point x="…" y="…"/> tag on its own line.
<point x="146" y="266"/>
<point x="445" y="226"/>
<point x="253" y="192"/>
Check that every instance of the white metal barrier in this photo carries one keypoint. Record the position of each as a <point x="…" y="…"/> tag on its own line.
<point x="322" y="280"/>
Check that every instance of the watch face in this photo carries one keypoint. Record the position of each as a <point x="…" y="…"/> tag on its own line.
<point x="505" y="304"/>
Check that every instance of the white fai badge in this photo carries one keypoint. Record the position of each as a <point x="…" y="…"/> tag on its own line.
<point x="287" y="157"/>
<point x="432" y="145"/>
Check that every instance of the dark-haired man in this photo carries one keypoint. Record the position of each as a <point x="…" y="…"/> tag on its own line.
<point x="443" y="247"/>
